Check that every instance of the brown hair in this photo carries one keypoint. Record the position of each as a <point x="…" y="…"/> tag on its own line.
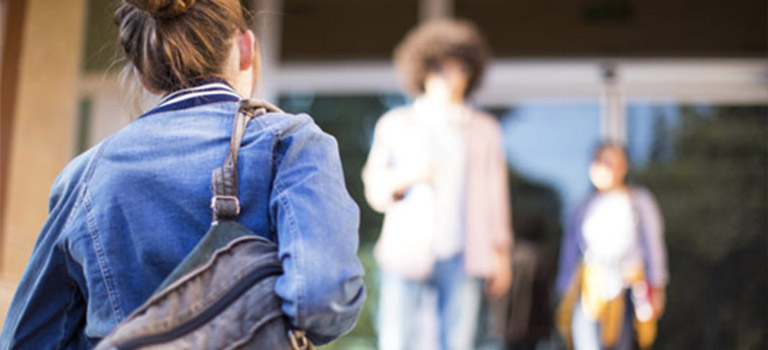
<point x="611" y="144"/>
<point x="430" y="44"/>
<point x="608" y="144"/>
<point x="175" y="43"/>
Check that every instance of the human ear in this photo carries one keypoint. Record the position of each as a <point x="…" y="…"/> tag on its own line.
<point x="245" y="44"/>
<point x="257" y="82"/>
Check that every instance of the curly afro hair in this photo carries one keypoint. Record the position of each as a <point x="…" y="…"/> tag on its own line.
<point x="430" y="44"/>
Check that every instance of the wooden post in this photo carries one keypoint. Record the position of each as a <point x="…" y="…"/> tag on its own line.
<point x="44" y="97"/>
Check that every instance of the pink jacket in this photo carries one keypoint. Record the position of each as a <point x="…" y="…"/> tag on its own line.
<point x="487" y="209"/>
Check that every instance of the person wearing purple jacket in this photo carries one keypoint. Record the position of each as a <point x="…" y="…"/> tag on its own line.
<point x="613" y="263"/>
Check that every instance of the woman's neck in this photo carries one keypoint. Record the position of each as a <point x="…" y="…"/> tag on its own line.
<point x="620" y="188"/>
<point x="444" y="99"/>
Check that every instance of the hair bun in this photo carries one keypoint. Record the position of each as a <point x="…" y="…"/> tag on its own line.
<point x="162" y="8"/>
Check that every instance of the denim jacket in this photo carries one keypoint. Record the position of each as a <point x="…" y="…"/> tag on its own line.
<point x="126" y="212"/>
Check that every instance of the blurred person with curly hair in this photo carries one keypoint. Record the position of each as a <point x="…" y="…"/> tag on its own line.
<point x="437" y="171"/>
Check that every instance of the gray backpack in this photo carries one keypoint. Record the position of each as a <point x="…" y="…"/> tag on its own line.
<point x="222" y="295"/>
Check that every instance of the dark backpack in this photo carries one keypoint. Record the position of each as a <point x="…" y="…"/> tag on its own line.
<point x="222" y="295"/>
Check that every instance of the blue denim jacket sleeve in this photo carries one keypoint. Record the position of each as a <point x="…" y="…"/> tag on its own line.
<point x="317" y="224"/>
<point x="81" y="281"/>
<point x="48" y="309"/>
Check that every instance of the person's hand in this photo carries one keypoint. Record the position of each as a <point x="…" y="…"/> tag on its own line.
<point x="411" y="175"/>
<point x="500" y="280"/>
<point x="658" y="301"/>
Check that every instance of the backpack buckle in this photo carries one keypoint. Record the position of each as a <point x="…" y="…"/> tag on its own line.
<point x="220" y="209"/>
<point x="299" y="340"/>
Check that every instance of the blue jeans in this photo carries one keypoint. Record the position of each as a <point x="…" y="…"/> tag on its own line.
<point x="586" y="332"/>
<point x="458" y="303"/>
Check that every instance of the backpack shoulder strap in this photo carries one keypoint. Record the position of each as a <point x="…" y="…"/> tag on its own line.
<point x="225" y="203"/>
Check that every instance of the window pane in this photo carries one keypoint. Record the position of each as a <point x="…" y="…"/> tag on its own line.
<point x="552" y="143"/>
<point x="548" y="146"/>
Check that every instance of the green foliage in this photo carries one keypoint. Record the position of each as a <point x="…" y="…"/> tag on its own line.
<point x="709" y="176"/>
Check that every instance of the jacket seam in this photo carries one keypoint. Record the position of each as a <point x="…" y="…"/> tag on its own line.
<point x="270" y="128"/>
<point x="297" y="254"/>
<point x="89" y="170"/>
<point x="104" y="268"/>
<point x="83" y="182"/>
<point x="298" y="257"/>
<point x="267" y="125"/>
<point x="93" y="232"/>
<point x="70" y="306"/>
<point x="63" y="330"/>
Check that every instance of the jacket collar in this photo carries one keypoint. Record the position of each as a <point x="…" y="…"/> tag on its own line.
<point x="213" y="90"/>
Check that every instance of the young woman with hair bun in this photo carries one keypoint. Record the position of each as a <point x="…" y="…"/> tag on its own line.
<point x="123" y="214"/>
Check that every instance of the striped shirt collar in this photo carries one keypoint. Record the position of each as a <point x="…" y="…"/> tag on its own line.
<point x="206" y="92"/>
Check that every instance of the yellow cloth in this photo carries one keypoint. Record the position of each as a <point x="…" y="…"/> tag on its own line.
<point x="586" y="286"/>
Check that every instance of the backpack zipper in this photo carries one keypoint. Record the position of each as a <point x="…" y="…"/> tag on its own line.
<point x="211" y="312"/>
